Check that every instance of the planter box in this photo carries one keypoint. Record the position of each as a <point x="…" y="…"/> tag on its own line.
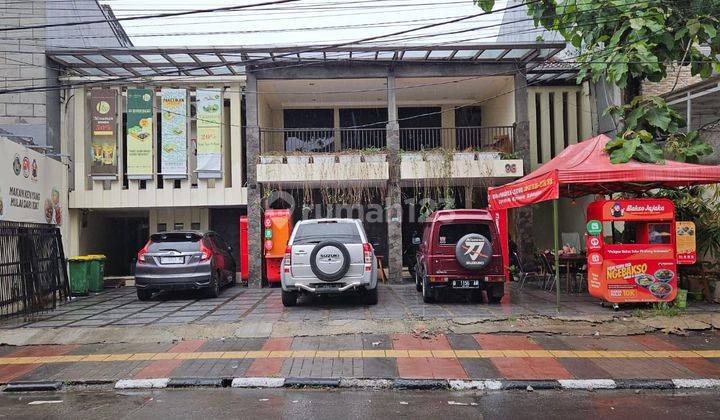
<point x="434" y="157"/>
<point x="464" y="156"/>
<point x="271" y="159"/>
<point x="349" y="158"/>
<point x="411" y="157"/>
<point x="324" y="159"/>
<point x="488" y="156"/>
<point x="298" y="160"/>
<point x="379" y="157"/>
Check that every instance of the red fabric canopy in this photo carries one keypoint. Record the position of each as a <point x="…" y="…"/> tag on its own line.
<point x="584" y="168"/>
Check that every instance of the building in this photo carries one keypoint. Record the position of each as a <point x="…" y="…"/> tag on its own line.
<point x="386" y="132"/>
<point x="34" y="116"/>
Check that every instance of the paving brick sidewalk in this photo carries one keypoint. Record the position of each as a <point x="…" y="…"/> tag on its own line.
<point x="451" y="356"/>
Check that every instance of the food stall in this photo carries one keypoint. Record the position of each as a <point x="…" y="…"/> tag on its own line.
<point x="631" y="250"/>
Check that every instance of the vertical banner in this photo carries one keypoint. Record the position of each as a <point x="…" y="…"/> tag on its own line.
<point x="685" y="242"/>
<point x="209" y="133"/>
<point x="140" y="132"/>
<point x="103" y="104"/>
<point x="173" y="153"/>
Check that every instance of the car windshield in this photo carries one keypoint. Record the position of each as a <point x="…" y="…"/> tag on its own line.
<point x="180" y="242"/>
<point x="310" y="233"/>
<point x="450" y="234"/>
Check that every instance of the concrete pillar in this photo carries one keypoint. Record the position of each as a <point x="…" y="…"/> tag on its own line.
<point x="393" y="200"/>
<point x="254" y="190"/>
<point x="524" y="215"/>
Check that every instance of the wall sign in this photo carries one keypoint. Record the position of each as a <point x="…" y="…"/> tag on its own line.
<point x="685" y="242"/>
<point x="594" y="227"/>
<point x="103" y="107"/>
<point x="209" y="133"/>
<point x="32" y="186"/>
<point x="173" y="153"/>
<point x="140" y="133"/>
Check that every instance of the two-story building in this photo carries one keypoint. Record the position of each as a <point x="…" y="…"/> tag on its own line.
<point x="194" y="138"/>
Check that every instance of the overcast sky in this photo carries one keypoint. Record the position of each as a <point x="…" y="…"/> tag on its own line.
<point x="304" y="22"/>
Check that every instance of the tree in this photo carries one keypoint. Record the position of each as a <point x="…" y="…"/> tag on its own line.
<point x="629" y="41"/>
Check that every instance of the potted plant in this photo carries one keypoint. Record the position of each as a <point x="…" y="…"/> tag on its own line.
<point x="508" y="155"/>
<point x="297" y="158"/>
<point x="349" y="156"/>
<point x="324" y="158"/>
<point x="374" y="154"/>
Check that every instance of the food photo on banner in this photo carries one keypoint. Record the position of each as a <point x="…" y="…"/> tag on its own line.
<point x="140" y="133"/>
<point x="173" y="149"/>
<point x="103" y="105"/>
<point x="209" y="133"/>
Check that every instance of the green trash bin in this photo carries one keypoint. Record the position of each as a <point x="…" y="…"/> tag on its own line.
<point x="79" y="275"/>
<point x="96" y="272"/>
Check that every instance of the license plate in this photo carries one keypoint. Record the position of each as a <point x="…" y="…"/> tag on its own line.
<point x="466" y="284"/>
<point x="172" y="260"/>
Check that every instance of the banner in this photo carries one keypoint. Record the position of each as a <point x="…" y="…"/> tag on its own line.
<point x="209" y="133"/>
<point x="32" y="186"/>
<point x="522" y="193"/>
<point x="685" y="242"/>
<point x="140" y="132"/>
<point x="103" y="105"/>
<point x="173" y="153"/>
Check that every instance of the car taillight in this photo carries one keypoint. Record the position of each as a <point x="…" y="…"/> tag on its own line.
<point x="206" y="253"/>
<point x="142" y="252"/>
<point x="367" y="255"/>
<point x="287" y="262"/>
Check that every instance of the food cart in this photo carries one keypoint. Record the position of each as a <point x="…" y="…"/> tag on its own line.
<point x="631" y="250"/>
<point x="278" y="227"/>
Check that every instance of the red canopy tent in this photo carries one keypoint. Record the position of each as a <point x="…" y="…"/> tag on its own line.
<point x="585" y="168"/>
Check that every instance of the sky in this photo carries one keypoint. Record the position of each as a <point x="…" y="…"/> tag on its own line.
<point x="304" y="22"/>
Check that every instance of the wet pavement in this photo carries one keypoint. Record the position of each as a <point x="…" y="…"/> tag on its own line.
<point x="120" y="307"/>
<point x="358" y="404"/>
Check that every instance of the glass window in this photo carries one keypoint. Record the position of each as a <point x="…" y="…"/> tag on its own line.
<point x="450" y="234"/>
<point x="180" y="242"/>
<point x="346" y="233"/>
<point x="162" y="227"/>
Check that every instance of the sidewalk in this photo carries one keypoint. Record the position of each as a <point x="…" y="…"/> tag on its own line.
<point x="406" y="356"/>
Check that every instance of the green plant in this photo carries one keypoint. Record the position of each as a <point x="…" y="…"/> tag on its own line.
<point x="372" y="150"/>
<point x="659" y="309"/>
<point x="508" y="155"/>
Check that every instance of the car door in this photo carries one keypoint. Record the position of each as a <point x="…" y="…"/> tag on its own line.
<point x="229" y="261"/>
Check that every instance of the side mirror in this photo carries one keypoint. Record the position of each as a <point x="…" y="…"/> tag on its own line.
<point x="416" y="240"/>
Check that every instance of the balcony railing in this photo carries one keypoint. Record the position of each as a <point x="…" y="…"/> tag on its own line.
<point x="321" y="140"/>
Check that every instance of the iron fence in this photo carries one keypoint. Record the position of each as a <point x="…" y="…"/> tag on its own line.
<point x="33" y="273"/>
<point x="497" y="138"/>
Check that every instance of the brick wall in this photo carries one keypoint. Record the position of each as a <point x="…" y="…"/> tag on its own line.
<point x="666" y="85"/>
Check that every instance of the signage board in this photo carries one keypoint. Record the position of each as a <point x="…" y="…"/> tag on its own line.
<point x="140" y="133"/>
<point x="173" y="148"/>
<point x="103" y="145"/>
<point x="209" y="133"/>
<point x="685" y="242"/>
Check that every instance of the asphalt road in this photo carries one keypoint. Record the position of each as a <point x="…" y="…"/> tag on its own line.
<point x="357" y="404"/>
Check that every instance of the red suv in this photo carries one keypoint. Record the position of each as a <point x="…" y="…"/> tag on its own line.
<point x="460" y="250"/>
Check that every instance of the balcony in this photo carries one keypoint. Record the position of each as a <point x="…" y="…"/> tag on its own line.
<point x="312" y="156"/>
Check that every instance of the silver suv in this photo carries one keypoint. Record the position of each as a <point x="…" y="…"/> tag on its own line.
<point x="329" y="256"/>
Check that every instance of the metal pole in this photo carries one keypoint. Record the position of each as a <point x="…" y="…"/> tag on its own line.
<point x="557" y="254"/>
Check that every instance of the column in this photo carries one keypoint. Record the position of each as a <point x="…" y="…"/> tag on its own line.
<point x="254" y="193"/>
<point x="523" y="215"/>
<point x="393" y="196"/>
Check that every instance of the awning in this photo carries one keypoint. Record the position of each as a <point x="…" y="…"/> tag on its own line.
<point x="585" y="168"/>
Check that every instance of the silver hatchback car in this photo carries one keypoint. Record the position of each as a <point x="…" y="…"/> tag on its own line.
<point x="329" y="256"/>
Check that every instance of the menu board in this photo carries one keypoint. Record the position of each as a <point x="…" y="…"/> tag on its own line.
<point x="209" y="133"/>
<point x="140" y="133"/>
<point x="103" y="145"/>
<point x="685" y="242"/>
<point x="173" y="153"/>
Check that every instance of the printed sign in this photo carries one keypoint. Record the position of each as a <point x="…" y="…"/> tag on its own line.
<point x="140" y="132"/>
<point x="103" y="105"/>
<point x="209" y="133"/>
<point x="637" y="209"/>
<point x="31" y="186"/>
<point x="685" y="242"/>
<point x="594" y="227"/>
<point x="173" y="153"/>
<point x="544" y="187"/>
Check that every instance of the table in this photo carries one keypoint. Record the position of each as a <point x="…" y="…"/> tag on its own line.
<point x="571" y="260"/>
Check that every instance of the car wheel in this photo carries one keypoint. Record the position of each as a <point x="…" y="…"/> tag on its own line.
<point x="144" y="294"/>
<point x="289" y="298"/>
<point x="371" y="296"/>
<point x="427" y="293"/>
<point x="418" y="283"/>
<point x="233" y="279"/>
<point x="495" y="292"/>
<point x="213" y="290"/>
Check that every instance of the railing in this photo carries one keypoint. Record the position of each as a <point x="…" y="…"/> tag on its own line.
<point x="320" y="140"/>
<point x="33" y="275"/>
<point x="499" y="138"/>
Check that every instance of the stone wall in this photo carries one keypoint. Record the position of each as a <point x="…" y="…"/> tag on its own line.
<point x="666" y="85"/>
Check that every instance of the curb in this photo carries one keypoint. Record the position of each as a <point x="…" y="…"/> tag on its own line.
<point x="380" y="383"/>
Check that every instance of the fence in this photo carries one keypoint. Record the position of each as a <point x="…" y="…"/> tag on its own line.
<point x="33" y="273"/>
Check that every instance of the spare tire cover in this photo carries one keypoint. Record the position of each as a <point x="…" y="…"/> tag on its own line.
<point x="473" y="251"/>
<point x="330" y="260"/>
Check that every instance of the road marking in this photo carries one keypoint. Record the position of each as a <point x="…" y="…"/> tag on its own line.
<point x="364" y="354"/>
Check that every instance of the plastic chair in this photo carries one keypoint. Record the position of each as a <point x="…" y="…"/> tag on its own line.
<point x="525" y="271"/>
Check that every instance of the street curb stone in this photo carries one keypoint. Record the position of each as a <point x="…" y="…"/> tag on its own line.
<point x="258" y="382"/>
<point x="401" y="383"/>
<point x="142" y="383"/>
<point x="313" y="382"/>
<point x="535" y="384"/>
<point x="33" y="386"/>
<point x="644" y="384"/>
<point x="195" y="382"/>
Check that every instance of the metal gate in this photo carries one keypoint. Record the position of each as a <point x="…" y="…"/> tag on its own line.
<point x="33" y="273"/>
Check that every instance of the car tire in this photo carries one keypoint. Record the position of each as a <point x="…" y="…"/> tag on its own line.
<point x="233" y="279"/>
<point x="371" y="296"/>
<point x="428" y="295"/>
<point x="418" y="284"/>
<point x="333" y="276"/>
<point x="289" y="298"/>
<point x="495" y="293"/>
<point x="144" y="294"/>
<point x="213" y="289"/>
